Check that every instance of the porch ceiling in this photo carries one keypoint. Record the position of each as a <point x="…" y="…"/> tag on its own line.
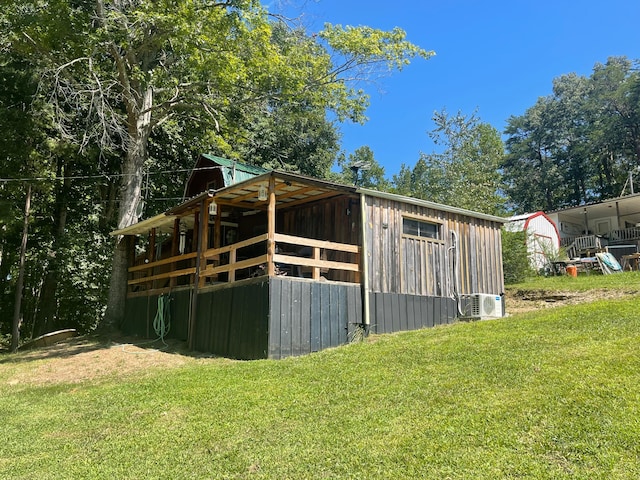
<point x="627" y="207"/>
<point x="291" y="190"/>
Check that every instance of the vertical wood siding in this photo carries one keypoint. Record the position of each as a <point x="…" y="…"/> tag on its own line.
<point x="141" y="311"/>
<point x="335" y="219"/>
<point x="417" y="266"/>
<point x="233" y="321"/>
<point x="262" y="318"/>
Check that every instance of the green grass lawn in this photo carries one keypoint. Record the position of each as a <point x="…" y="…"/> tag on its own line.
<point x="627" y="281"/>
<point x="553" y="394"/>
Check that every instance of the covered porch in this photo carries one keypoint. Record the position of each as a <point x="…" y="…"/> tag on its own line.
<point x="269" y="225"/>
<point x="270" y="235"/>
<point x="612" y="224"/>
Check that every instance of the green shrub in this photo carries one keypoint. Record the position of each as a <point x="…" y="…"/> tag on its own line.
<point x="515" y="257"/>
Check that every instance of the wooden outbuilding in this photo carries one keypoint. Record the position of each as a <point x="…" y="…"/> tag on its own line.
<point x="281" y="264"/>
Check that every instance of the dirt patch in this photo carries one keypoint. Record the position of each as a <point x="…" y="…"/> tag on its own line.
<point x="85" y="358"/>
<point x="521" y="301"/>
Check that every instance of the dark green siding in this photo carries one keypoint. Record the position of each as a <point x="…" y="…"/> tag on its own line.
<point x="310" y="316"/>
<point x="257" y="318"/>
<point x="140" y="313"/>
<point x="232" y="321"/>
<point x="394" y="312"/>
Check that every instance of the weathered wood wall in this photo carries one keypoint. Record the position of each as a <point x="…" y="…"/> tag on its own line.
<point x="480" y="246"/>
<point x="399" y="263"/>
<point x="334" y="219"/>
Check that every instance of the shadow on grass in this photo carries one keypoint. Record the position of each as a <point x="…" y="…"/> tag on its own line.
<point x="95" y="342"/>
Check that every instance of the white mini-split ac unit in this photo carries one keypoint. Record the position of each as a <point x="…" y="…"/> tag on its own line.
<point x="484" y="305"/>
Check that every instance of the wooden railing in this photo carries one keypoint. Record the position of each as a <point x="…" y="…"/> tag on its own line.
<point x="583" y="244"/>
<point x="625" y="234"/>
<point x="232" y="265"/>
<point x="145" y="278"/>
<point x="316" y="261"/>
<point x="222" y="264"/>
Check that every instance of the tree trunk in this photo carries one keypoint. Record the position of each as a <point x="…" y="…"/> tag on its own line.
<point x="130" y="197"/>
<point x="46" y="316"/>
<point x="17" y="320"/>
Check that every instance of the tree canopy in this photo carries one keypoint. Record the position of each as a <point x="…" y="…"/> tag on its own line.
<point x="466" y="173"/>
<point x="578" y="144"/>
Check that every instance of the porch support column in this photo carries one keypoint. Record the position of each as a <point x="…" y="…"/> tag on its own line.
<point x="201" y="222"/>
<point x="586" y="222"/>
<point x="271" y="227"/>
<point x="152" y="246"/>
<point x="175" y="239"/>
<point x="151" y="255"/>
<point x="217" y="229"/>
<point x="203" y="240"/>
<point x="175" y="250"/>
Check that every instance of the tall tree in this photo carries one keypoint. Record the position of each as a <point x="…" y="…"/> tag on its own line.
<point x="118" y="69"/>
<point x="530" y="161"/>
<point x="579" y="143"/>
<point x="615" y="113"/>
<point x="466" y="173"/>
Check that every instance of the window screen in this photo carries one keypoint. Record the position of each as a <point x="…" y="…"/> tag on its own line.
<point x="419" y="228"/>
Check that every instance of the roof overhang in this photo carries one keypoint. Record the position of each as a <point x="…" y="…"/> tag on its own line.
<point x="163" y="223"/>
<point x="290" y="189"/>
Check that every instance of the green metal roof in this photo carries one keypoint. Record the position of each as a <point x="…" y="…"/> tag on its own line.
<point x="233" y="171"/>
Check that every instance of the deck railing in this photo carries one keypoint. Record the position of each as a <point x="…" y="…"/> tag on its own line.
<point x="295" y="256"/>
<point x="614" y="236"/>
<point x="625" y="234"/>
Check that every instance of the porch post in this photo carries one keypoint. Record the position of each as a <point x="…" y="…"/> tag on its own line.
<point x="175" y="238"/>
<point x="151" y="255"/>
<point x="271" y="227"/>
<point x="175" y="249"/>
<point x="217" y="228"/>
<point x="201" y="224"/>
<point x="203" y="243"/>
<point x="586" y="222"/>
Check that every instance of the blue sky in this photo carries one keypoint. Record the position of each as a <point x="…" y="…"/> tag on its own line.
<point x="494" y="56"/>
